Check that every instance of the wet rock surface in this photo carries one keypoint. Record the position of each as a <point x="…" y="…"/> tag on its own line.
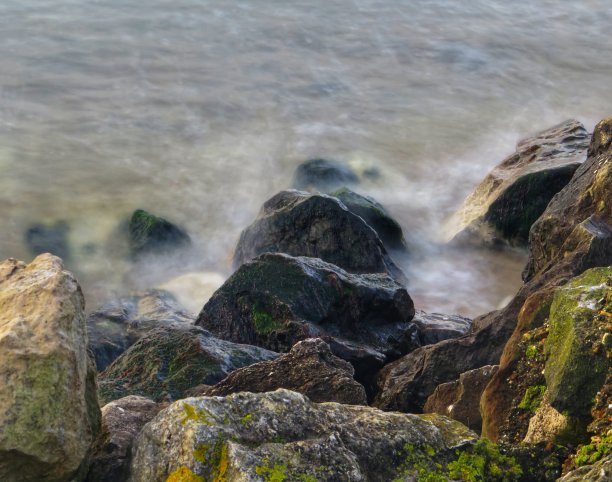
<point x="150" y="234"/>
<point x="323" y="175"/>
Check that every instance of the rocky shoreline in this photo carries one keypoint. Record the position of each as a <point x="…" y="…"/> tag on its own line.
<point x="311" y="362"/>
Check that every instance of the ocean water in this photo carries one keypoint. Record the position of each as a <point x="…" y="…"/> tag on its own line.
<point x="201" y="110"/>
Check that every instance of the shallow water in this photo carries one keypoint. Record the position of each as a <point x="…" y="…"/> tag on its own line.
<point x="200" y="110"/>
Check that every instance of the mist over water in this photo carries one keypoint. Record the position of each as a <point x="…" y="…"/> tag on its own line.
<point x="199" y="111"/>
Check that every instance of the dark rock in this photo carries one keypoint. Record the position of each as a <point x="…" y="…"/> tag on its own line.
<point x="277" y="300"/>
<point x="435" y="327"/>
<point x="323" y="175"/>
<point x="514" y="195"/>
<point x="117" y="325"/>
<point x="122" y="421"/>
<point x="42" y="238"/>
<point x="318" y="226"/>
<point x="309" y="368"/>
<point x="168" y="361"/>
<point x="388" y="229"/>
<point x="600" y="471"/>
<point x="149" y="234"/>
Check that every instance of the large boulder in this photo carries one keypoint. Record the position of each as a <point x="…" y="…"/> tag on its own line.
<point x="277" y="300"/>
<point x="281" y="435"/>
<point x="168" y="361"/>
<point x="516" y="192"/>
<point x="323" y="175"/>
<point x="122" y="421"/>
<point x="601" y="471"/>
<point x="150" y="234"/>
<point x="49" y="414"/>
<point x="118" y="324"/>
<point x="317" y="226"/>
<point x="309" y="368"/>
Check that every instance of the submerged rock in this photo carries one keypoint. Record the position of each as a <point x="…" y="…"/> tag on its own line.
<point x="318" y="226"/>
<point x="323" y="175"/>
<point x="281" y="435"/>
<point x="309" y="368"/>
<point x="514" y="195"/>
<point x="43" y="238"/>
<point x="49" y="412"/>
<point x="168" y="361"/>
<point x="149" y="234"/>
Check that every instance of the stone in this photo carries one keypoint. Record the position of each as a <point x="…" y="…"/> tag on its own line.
<point x="548" y="425"/>
<point x="170" y="360"/>
<point x="150" y="234"/>
<point x="49" y="414"/>
<point x="44" y="238"/>
<point x="277" y="300"/>
<point x="435" y="327"/>
<point x="318" y="226"/>
<point x="514" y="194"/>
<point x="122" y="421"/>
<point x="281" y="435"/>
<point x="323" y="175"/>
<point x="118" y="324"/>
<point x="600" y="471"/>
<point x="460" y="400"/>
<point x="309" y="368"/>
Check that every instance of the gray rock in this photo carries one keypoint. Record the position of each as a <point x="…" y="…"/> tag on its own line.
<point x="598" y="472"/>
<point x="435" y="327"/>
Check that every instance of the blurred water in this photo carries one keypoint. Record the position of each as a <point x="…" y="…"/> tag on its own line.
<point x="200" y="110"/>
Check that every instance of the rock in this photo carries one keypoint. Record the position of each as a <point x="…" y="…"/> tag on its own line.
<point x="317" y="226"/>
<point x="118" y="324"/>
<point x="435" y="327"/>
<point x="376" y="216"/>
<point x="168" y="361"/>
<point x="277" y="300"/>
<point x="548" y="425"/>
<point x="460" y="400"/>
<point x="122" y="421"/>
<point x="42" y="238"/>
<point x="49" y="412"/>
<point x="600" y="471"/>
<point x="192" y="290"/>
<point x="281" y="435"/>
<point x="149" y="234"/>
<point x="309" y="368"/>
<point x="514" y="195"/>
<point x="323" y="175"/>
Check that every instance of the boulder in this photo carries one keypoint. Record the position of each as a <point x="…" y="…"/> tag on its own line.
<point x="516" y="192"/>
<point x="277" y="300"/>
<point x="49" y="238"/>
<point x="281" y="435"/>
<point x="323" y="175"/>
<point x="150" y="234"/>
<point x="600" y="471"/>
<point x="317" y="226"/>
<point x="460" y="400"/>
<point x="118" y="324"/>
<point x="168" y="361"/>
<point x="49" y="414"/>
<point x="435" y="327"/>
<point x="309" y="368"/>
<point x="122" y="421"/>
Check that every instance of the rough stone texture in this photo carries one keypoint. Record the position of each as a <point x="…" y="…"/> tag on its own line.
<point x="460" y="399"/>
<point x="323" y="175"/>
<point x="122" y="421"/>
<point x="512" y="196"/>
<point x="168" y="361"/>
<point x="49" y="413"/>
<point x="277" y="300"/>
<point x="435" y="327"/>
<point x="309" y="368"/>
<point x="281" y="435"/>
<point x="598" y="472"/>
<point x="118" y="324"/>
<point x="372" y="212"/>
<point x="318" y="226"/>
<point x="547" y="425"/>
<point x="149" y="234"/>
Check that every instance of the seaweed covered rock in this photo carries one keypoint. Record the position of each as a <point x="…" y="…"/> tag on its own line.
<point x="122" y="421"/>
<point x="281" y="435"/>
<point x="514" y="195"/>
<point x="168" y="361"/>
<point x="118" y="324"/>
<point x="277" y="300"/>
<point x="318" y="226"/>
<point x="49" y="413"/>
<point x="323" y="175"/>
<point x="150" y="234"/>
<point x="309" y="368"/>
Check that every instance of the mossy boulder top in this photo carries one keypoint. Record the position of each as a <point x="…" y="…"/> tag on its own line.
<point x="318" y="226"/>
<point x="281" y="435"/>
<point x="323" y="175"/>
<point x="150" y="234"/>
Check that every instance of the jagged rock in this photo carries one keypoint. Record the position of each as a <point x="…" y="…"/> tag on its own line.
<point x="281" y="435"/>
<point x="49" y="412"/>
<point x="548" y="425"/>
<point x="277" y="300"/>
<point x="122" y="421"/>
<point x="309" y="368"/>
<point x="460" y="399"/>
<point x="323" y="175"/>
<point x="44" y="238"/>
<point x="149" y="234"/>
<point x="318" y="226"/>
<point x="435" y="327"/>
<point x="600" y="471"/>
<point x="514" y="195"/>
<point x="388" y="229"/>
<point x="118" y="324"/>
<point x="168" y="361"/>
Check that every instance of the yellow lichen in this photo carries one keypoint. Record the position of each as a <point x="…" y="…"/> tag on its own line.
<point x="184" y="474"/>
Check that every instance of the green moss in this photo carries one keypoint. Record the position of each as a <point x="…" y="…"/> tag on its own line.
<point x="531" y="352"/>
<point x="533" y="398"/>
<point x="201" y="453"/>
<point x="595" y="451"/>
<point x="276" y="473"/>
<point x="200" y="415"/>
<point x="484" y="463"/>
<point x="264" y="322"/>
<point x="246" y="419"/>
